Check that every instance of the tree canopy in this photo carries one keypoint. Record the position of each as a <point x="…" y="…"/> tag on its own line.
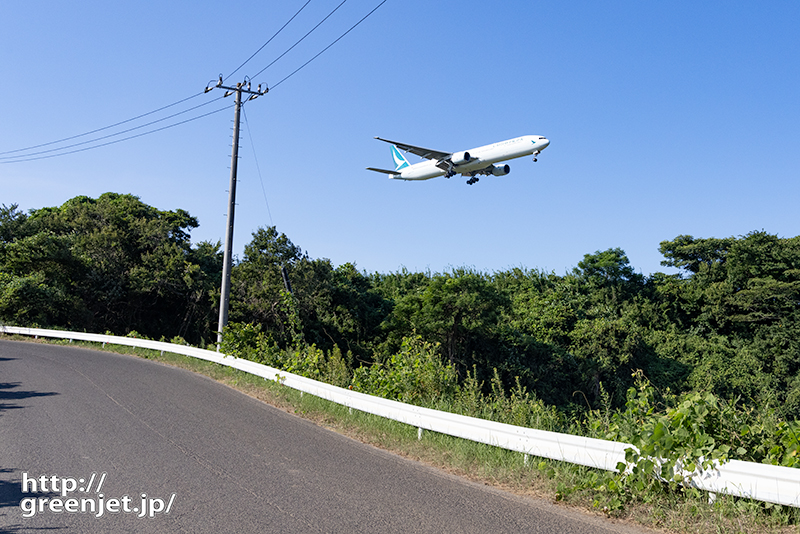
<point x="110" y="264"/>
<point x="728" y="323"/>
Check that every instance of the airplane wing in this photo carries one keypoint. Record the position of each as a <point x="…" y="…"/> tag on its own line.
<point x="419" y="151"/>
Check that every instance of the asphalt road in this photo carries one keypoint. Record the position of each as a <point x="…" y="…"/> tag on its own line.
<point x="218" y="460"/>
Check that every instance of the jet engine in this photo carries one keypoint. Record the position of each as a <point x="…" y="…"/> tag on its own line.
<point x="460" y="157"/>
<point x="500" y="170"/>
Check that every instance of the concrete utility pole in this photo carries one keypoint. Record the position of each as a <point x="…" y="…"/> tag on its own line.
<point x="227" y="264"/>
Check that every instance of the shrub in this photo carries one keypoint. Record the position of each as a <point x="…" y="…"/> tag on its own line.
<point x="415" y="374"/>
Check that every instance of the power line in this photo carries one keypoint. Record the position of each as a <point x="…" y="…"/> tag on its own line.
<point x="302" y="38"/>
<point x="23" y="154"/>
<point x="268" y="41"/>
<point x="99" y="129"/>
<point x="27" y="157"/>
<point x="330" y="45"/>
<point x="111" y="135"/>
<point x="117" y="140"/>
<point x="258" y="167"/>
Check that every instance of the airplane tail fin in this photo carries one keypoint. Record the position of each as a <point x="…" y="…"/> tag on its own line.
<point x="400" y="160"/>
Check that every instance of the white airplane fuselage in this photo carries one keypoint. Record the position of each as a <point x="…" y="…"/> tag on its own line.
<point x="479" y="158"/>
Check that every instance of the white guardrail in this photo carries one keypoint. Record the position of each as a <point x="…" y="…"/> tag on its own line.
<point x="769" y="483"/>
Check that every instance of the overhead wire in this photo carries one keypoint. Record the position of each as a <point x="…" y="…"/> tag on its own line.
<point x="268" y="41"/>
<point x="118" y="140"/>
<point x="24" y="154"/>
<point x="302" y="38"/>
<point x="330" y="45"/>
<point x="247" y="124"/>
<point x="101" y="129"/>
<point x="113" y="134"/>
<point x="18" y="155"/>
<point x="258" y="167"/>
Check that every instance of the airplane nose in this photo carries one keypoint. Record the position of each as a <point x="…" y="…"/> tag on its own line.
<point x="545" y="143"/>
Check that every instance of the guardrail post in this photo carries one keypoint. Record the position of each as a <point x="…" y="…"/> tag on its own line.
<point x="419" y="433"/>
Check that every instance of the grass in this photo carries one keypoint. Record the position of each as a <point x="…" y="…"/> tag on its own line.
<point x="679" y="512"/>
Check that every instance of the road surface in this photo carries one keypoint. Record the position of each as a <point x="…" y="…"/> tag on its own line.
<point x="98" y="442"/>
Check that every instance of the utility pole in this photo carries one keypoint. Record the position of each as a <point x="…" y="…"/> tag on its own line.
<point x="227" y="264"/>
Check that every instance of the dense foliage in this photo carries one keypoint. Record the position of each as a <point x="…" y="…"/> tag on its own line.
<point x="691" y="368"/>
<point x="728" y="324"/>
<point x="111" y="264"/>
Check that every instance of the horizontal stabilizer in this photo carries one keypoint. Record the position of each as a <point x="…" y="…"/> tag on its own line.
<point x="384" y="171"/>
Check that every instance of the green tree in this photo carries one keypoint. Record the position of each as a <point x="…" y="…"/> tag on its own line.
<point x="257" y="282"/>
<point x="696" y="255"/>
<point x="335" y="307"/>
<point x="458" y="310"/>
<point x="130" y="265"/>
<point x="349" y="311"/>
<point x="743" y="293"/>
<point x="609" y="278"/>
<point x="12" y="221"/>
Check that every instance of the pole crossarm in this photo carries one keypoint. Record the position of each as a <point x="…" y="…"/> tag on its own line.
<point x="241" y="87"/>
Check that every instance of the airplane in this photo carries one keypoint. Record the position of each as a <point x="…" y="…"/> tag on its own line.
<point x="470" y="163"/>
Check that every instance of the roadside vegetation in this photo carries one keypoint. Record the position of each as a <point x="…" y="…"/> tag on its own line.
<point x="695" y="366"/>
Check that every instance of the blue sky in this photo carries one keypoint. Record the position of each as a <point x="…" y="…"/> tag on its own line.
<point x="664" y="119"/>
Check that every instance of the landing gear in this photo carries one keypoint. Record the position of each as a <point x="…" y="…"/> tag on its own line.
<point x="534" y="155"/>
<point x="534" y="159"/>
<point x="449" y="169"/>
<point x="472" y="180"/>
